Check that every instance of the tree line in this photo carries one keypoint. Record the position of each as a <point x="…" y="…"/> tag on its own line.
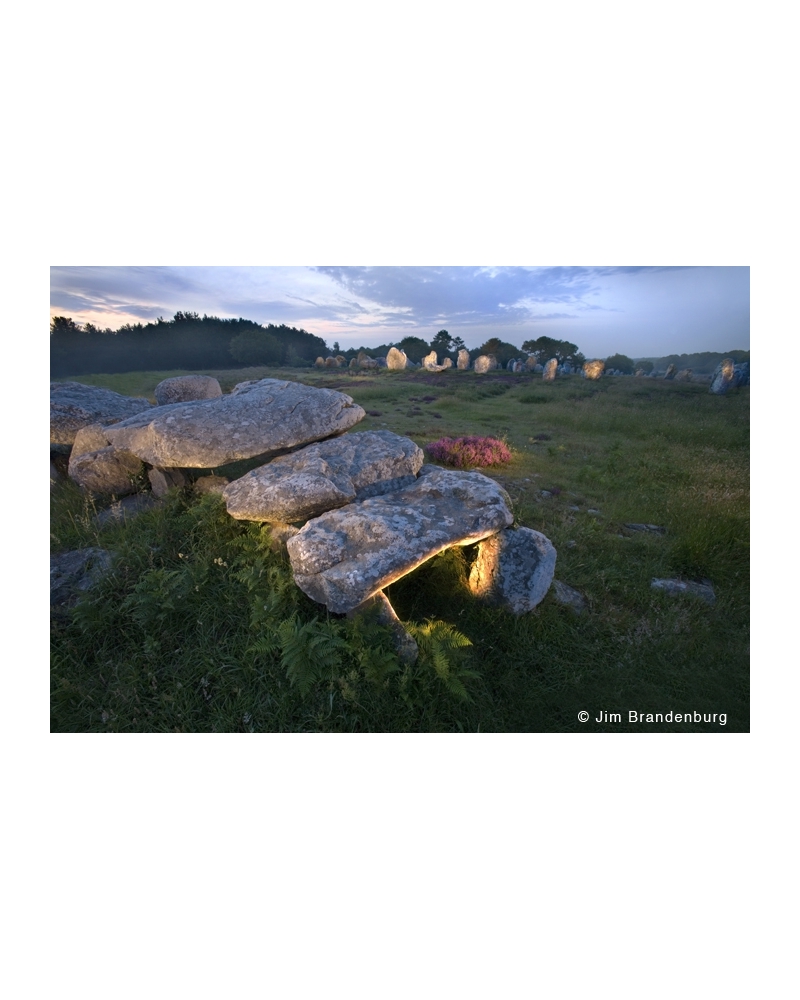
<point x="186" y="341"/>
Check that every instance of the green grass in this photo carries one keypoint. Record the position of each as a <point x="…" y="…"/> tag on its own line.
<point x="175" y="640"/>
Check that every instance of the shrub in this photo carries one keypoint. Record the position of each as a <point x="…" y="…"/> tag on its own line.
<point x="469" y="451"/>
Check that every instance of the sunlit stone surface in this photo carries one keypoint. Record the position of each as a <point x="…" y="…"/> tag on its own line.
<point x="258" y="417"/>
<point x="485" y="363"/>
<point x="670" y="372"/>
<point x="514" y="568"/>
<point x="396" y="360"/>
<point x="723" y="377"/>
<point x="463" y="360"/>
<point x="345" y="556"/>
<point x="593" y="369"/>
<point x="550" y="370"/>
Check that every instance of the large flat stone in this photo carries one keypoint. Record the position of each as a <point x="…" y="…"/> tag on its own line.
<point x="323" y="476"/>
<point x="74" y="405"/>
<point x="257" y="418"/>
<point x="343" y="557"/>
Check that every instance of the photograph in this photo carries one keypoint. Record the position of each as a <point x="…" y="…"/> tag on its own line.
<point x="399" y="499"/>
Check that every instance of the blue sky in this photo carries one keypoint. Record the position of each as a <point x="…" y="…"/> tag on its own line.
<point x="638" y="311"/>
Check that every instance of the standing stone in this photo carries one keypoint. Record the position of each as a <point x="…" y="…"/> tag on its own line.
<point x="463" y="360"/>
<point x="538" y="369"/>
<point x="742" y="374"/>
<point x="324" y="476"/>
<point x="345" y="556"/>
<point x="184" y="388"/>
<point x="670" y="372"/>
<point x="431" y="362"/>
<point x="74" y="405"/>
<point x="639" y="372"/>
<point x="567" y="368"/>
<point x="485" y="363"/>
<point x="396" y="360"/>
<point x="530" y="363"/>
<point x="331" y="363"/>
<point x="549" y="372"/>
<point x="257" y="418"/>
<point x="684" y="375"/>
<point x="446" y="363"/>
<point x="404" y="643"/>
<point x="514" y="569"/>
<point x="341" y="360"/>
<point x="593" y="369"/>
<point x="320" y="363"/>
<point x="723" y="377"/>
<point x="164" y="480"/>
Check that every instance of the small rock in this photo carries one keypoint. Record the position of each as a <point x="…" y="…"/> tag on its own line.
<point x="591" y="510"/>
<point x="210" y="484"/>
<point x="125" y="509"/>
<point x="568" y="595"/>
<point x="184" y="388"/>
<point x="655" y="529"/>
<point x="676" y="586"/>
<point x="72" y="573"/>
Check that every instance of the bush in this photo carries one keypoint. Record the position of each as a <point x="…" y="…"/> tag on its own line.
<point x="461" y="453"/>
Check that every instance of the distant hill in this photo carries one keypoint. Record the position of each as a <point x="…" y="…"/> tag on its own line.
<point x="702" y="363"/>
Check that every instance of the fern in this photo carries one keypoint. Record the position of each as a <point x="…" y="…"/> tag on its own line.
<point x="440" y="647"/>
<point x="309" y="651"/>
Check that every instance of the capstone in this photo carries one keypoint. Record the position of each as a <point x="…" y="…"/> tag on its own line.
<point x="321" y="477"/>
<point x="343" y="557"/>
<point x="257" y="418"/>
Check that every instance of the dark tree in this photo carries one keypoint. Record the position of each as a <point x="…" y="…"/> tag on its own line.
<point x="544" y="348"/>
<point x="503" y="351"/>
<point x="442" y="343"/>
<point x="415" y="347"/>
<point x="256" y="347"/>
<point x="621" y="362"/>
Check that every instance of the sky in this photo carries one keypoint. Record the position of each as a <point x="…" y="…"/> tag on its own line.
<point x="637" y="311"/>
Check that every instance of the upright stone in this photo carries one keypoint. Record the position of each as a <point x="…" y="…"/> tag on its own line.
<point x="446" y="363"/>
<point x="742" y="374"/>
<point x="530" y="363"/>
<point x="670" y="372"/>
<point x="185" y="388"/>
<point x="593" y="369"/>
<point x="514" y="569"/>
<point x="550" y="369"/>
<point x="723" y="377"/>
<point x="684" y="375"/>
<point x="257" y="418"/>
<point x="485" y="363"/>
<point x="463" y="360"/>
<point x="396" y="360"/>
<point x="431" y="362"/>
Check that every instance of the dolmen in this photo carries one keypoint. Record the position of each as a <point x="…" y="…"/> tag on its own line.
<point x="356" y="510"/>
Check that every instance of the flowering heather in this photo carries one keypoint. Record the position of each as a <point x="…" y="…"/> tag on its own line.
<point x="469" y="451"/>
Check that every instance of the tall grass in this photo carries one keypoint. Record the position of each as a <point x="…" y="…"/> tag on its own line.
<point x="175" y="640"/>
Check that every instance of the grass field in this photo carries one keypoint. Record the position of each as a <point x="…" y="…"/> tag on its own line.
<point x="200" y="627"/>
